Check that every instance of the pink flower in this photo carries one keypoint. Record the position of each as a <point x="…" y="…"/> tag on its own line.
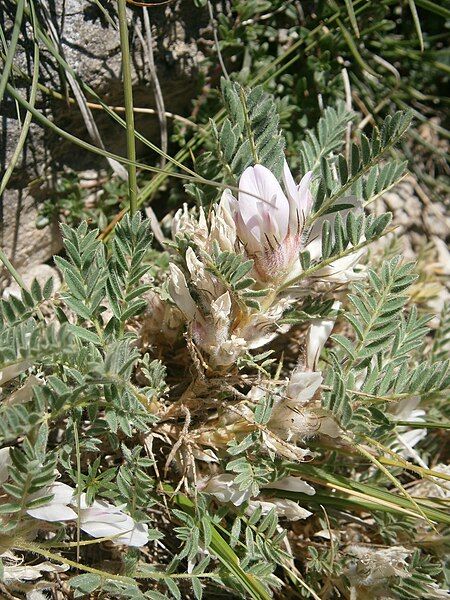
<point x="269" y="222"/>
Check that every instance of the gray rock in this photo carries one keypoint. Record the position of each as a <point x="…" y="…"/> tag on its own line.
<point x="90" y="44"/>
<point x="41" y="273"/>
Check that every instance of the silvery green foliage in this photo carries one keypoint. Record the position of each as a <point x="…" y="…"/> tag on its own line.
<point x="250" y="133"/>
<point x="213" y="456"/>
<point x="382" y="360"/>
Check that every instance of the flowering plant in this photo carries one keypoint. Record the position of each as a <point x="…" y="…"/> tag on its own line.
<point x="240" y="409"/>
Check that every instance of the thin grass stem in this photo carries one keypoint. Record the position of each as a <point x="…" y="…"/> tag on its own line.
<point x="128" y="98"/>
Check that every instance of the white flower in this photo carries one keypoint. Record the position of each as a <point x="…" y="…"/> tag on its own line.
<point x="292" y="419"/>
<point x="223" y="227"/>
<point x="229" y="351"/>
<point x="179" y="291"/>
<point x="5" y="461"/>
<point x="433" y="487"/>
<point x="292" y="484"/>
<point x="211" y="332"/>
<point x="13" y="571"/>
<point x="101" y="519"/>
<point x="284" y="507"/>
<point x="224" y="488"/>
<point x="57" y="509"/>
<point x="407" y="410"/>
<point x="295" y="417"/>
<point x="199" y="275"/>
<point x="268" y="223"/>
<point x="318" y="334"/>
<point x="184" y="222"/>
<point x="161" y="322"/>
<point x="303" y="385"/>
<point x="263" y="327"/>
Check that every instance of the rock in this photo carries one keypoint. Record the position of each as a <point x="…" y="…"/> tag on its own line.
<point x="90" y="44"/>
<point x="39" y="272"/>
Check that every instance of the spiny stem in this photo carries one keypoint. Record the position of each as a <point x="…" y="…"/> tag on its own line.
<point x="128" y="97"/>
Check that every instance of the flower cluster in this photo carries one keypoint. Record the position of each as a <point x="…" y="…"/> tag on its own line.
<point x="264" y="225"/>
<point x="219" y="324"/>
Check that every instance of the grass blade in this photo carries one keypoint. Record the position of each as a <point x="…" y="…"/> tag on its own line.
<point x="227" y="556"/>
<point x="12" y="47"/>
<point x="28" y="117"/>
<point x="416" y="20"/>
<point x="352" y="16"/>
<point x="128" y="96"/>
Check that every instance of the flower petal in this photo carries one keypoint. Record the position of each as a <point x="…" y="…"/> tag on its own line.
<point x="5" y="461"/>
<point x="62" y="493"/>
<point x="303" y="385"/>
<point x="304" y="196"/>
<point x="291" y="484"/>
<point x="318" y="334"/>
<point x="261" y="194"/>
<point x="289" y="183"/>
<point x="221" y="307"/>
<point x="179" y="291"/>
<point x="284" y="507"/>
<point x="53" y="512"/>
<point x="225" y="490"/>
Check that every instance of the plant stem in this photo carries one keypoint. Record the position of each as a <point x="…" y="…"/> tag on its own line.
<point x="128" y="97"/>
<point x="26" y="124"/>
<point x="12" y="271"/>
<point x="12" y="47"/>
